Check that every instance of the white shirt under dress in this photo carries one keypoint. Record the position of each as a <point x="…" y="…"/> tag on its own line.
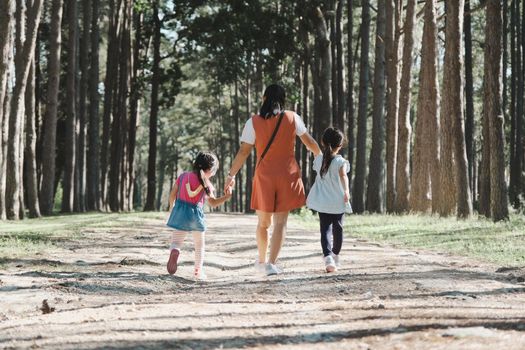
<point x="327" y="193"/>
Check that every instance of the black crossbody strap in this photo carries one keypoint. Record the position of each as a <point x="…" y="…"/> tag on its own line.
<point x="272" y="137"/>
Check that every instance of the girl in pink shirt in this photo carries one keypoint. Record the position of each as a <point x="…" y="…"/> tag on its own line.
<point x="187" y="198"/>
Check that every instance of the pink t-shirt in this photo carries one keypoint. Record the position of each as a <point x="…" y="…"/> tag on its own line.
<point x="194" y="182"/>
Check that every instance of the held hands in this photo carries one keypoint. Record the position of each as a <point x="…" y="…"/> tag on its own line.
<point x="228" y="191"/>
<point x="229" y="183"/>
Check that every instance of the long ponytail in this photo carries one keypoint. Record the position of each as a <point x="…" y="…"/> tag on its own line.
<point x="327" y="160"/>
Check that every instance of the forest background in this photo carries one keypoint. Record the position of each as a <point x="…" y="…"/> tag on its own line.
<point x="104" y="102"/>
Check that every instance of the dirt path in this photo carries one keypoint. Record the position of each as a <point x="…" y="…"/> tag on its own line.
<point x="109" y="289"/>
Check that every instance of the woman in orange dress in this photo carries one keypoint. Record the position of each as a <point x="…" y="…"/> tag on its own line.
<point x="277" y="185"/>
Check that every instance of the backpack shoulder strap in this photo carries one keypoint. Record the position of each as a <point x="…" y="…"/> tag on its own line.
<point x="272" y="137"/>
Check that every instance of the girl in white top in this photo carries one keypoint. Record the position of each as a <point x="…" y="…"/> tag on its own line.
<point x="330" y="195"/>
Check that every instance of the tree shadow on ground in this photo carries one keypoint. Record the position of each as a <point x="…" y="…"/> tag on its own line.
<point x="304" y="338"/>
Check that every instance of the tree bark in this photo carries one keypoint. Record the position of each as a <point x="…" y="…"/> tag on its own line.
<point x="152" y="154"/>
<point x="469" y="98"/>
<point x="331" y="17"/>
<point x="47" y="190"/>
<point x="358" y="193"/>
<point x="374" y="201"/>
<point x="492" y="109"/>
<point x="325" y="69"/>
<point x="350" y="91"/>
<point x="454" y="189"/>
<point x="14" y="155"/>
<point x="71" y="161"/>
<point x="110" y="84"/>
<point x="6" y="23"/>
<point x="404" y="127"/>
<point x="136" y="74"/>
<point x="81" y="201"/>
<point x="93" y="162"/>
<point x="31" y="185"/>
<point x="425" y="169"/>
<point x="392" y="11"/>
<point x="341" y="103"/>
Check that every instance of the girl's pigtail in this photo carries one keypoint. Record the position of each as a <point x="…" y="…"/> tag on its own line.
<point x="200" y="174"/>
<point x="327" y="159"/>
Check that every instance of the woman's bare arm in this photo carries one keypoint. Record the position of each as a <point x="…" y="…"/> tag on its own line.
<point x="310" y="143"/>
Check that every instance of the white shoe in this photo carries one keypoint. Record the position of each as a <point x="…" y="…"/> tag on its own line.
<point x="271" y="269"/>
<point x="260" y="267"/>
<point x="329" y="264"/>
<point x="336" y="260"/>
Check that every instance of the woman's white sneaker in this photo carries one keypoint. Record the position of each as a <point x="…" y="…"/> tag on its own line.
<point x="260" y="268"/>
<point x="271" y="269"/>
<point x="329" y="264"/>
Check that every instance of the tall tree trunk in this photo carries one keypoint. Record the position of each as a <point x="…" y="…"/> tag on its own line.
<point x="71" y="161"/>
<point x="350" y="91"/>
<point x="14" y="152"/>
<point x="325" y="69"/>
<point x="425" y="169"/>
<point x="341" y="103"/>
<point x="505" y="58"/>
<point x="358" y="193"/>
<point x="374" y="201"/>
<point x="453" y="156"/>
<point x="404" y="127"/>
<point x="492" y="109"/>
<point x="81" y="201"/>
<point x="93" y="164"/>
<point x="333" y="56"/>
<point x="119" y="129"/>
<point x="6" y="23"/>
<point x="125" y="129"/>
<point x="392" y="11"/>
<point x="155" y="80"/>
<point x="47" y="190"/>
<point x="134" y="104"/>
<point x="31" y="184"/>
<point x="469" y="97"/>
<point x="110" y="84"/>
<point x="515" y="78"/>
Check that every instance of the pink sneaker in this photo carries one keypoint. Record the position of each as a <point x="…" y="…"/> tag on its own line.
<point x="172" y="262"/>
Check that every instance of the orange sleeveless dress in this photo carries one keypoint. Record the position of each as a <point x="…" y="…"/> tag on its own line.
<point x="277" y="184"/>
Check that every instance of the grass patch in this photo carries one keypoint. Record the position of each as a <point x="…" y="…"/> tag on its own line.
<point x="29" y="236"/>
<point x="501" y="243"/>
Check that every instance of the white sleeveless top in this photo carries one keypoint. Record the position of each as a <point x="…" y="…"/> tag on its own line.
<point x="327" y="193"/>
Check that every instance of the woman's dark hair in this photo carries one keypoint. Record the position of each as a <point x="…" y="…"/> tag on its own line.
<point x="332" y="138"/>
<point x="205" y="161"/>
<point x="275" y="97"/>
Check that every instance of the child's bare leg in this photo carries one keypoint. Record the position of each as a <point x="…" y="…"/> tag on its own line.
<point x="279" y="232"/>
<point x="265" y="220"/>
<point x="199" y="243"/>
